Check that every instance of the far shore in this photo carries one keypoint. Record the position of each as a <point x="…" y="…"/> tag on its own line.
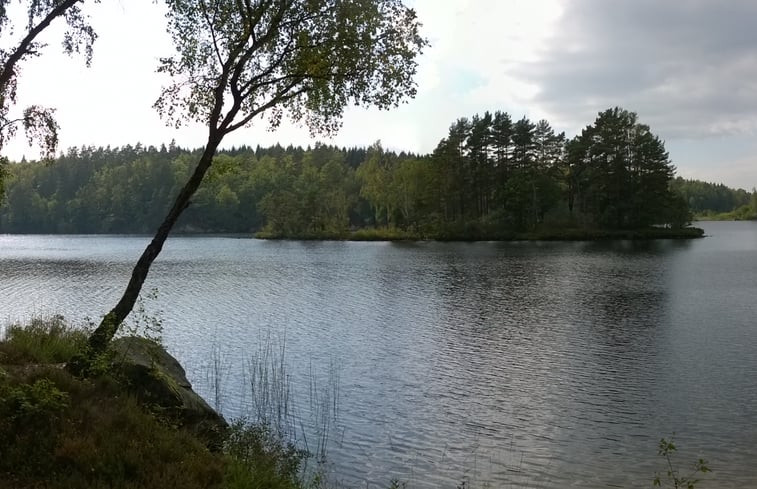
<point x="392" y="234"/>
<point x="395" y="234"/>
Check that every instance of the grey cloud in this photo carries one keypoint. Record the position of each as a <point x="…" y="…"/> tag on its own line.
<point x="688" y="67"/>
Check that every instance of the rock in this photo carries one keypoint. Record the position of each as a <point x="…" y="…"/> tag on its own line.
<point x="159" y="381"/>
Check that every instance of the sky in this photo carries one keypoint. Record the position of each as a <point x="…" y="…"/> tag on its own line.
<point x="688" y="68"/>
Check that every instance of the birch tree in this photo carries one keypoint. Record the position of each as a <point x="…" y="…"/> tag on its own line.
<point x="240" y="62"/>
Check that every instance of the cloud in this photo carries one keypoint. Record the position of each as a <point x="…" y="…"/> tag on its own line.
<point x="689" y="68"/>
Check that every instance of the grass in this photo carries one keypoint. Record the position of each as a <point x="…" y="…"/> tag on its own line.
<point x="58" y="431"/>
<point x="578" y="234"/>
<point x="385" y="234"/>
<point x="743" y="213"/>
<point x="42" y="341"/>
<point x="540" y="234"/>
<point x="305" y="236"/>
<point x="483" y="233"/>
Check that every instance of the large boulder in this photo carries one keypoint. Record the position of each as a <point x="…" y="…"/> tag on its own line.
<point x="159" y="381"/>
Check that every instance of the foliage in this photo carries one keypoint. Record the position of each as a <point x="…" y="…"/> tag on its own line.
<point x="704" y="198"/>
<point x="58" y="432"/>
<point x="384" y="234"/>
<point x="673" y="477"/>
<point x="41" y="341"/>
<point x="494" y="169"/>
<point x="620" y="172"/>
<point x="307" y="197"/>
<point x="238" y="60"/>
<point x="305" y="58"/>
<point x="742" y="213"/>
<point x="141" y="324"/>
<point x="489" y="179"/>
<point x="313" y="193"/>
<point x="3" y="175"/>
<point x="126" y="190"/>
<point x="38" y="122"/>
<point x="678" y="215"/>
<point x="30" y="415"/>
<point x="260" y="457"/>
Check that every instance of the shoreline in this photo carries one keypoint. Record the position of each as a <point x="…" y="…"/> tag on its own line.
<point x="551" y="235"/>
<point x="389" y="234"/>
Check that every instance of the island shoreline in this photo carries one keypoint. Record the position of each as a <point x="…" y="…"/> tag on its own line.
<point x="550" y="235"/>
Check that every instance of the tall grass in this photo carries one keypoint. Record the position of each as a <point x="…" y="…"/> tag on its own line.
<point x="323" y="408"/>
<point x="41" y="341"/>
<point x="276" y="411"/>
<point x="216" y="376"/>
<point x="270" y="395"/>
<point x="58" y="431"/>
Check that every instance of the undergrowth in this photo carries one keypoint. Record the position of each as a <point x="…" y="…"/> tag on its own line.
<point x="58" y="431"/>
<point x="41" y="341"/>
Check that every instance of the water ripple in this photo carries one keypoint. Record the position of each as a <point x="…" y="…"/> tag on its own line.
<point x="516" y="364"/>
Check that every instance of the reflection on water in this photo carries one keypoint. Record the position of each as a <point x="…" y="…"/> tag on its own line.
<point x="529" y="364"/>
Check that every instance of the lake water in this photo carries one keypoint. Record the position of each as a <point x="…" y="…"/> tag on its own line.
<point x="514" y="364"/>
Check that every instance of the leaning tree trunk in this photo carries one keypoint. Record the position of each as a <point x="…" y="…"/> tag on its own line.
<point x="109" y="325"/>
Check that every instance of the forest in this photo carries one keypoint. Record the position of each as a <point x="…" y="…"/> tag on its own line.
<point x="715" y="201"/>
<point x="490" y="176"/>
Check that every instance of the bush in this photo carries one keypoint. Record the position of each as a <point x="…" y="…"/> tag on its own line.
<point x="30" y="417"/>
<point x="43" y="340"/>
<point x="384" y="234"/>
<point x="58" y="431"/>
<point x="259" y="457"/>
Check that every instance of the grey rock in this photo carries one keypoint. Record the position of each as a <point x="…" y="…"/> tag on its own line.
<point x="159" y="381"/>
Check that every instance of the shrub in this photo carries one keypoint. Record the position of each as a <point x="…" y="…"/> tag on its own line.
<point x="58" y="431"/>
<point x="673" y="477"/>
<point x="30" y="416"/>
<point x="259" y="457"/>
<point x="43" y="340"/>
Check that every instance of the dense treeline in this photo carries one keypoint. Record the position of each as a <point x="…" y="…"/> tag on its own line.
<point x="490" y="176"/>
<point x="710" y="200"/>
<point x="127" y="190"/>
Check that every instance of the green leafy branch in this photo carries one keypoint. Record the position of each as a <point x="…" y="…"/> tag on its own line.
<point x="673" y="477"/>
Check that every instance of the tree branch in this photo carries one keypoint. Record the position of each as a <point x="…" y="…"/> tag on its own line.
<point x="212" y="29"/>
<point x="281" y="96"/>
<point x="26" y="43"/>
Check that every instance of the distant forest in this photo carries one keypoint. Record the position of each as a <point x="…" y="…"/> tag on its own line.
<point x="490" y="175"/>
<point x="716" y="201"/>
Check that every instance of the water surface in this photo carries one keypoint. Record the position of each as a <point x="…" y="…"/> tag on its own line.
<point x="518" y="364"/>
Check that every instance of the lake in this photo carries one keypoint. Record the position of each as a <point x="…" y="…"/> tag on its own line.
<point x="514" y="364"/>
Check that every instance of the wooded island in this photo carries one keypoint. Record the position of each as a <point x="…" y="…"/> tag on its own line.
<point x="490" y="178"/>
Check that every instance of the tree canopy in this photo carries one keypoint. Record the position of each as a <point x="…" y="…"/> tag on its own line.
<point x="38" y="122"/>
<point x="307" y="59"/>
<point x="620" y="172"/>
<point x="712" y="198"/>
<point x="330" y="192"/>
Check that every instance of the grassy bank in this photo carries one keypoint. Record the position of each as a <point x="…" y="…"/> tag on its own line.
<point x="477" y="234"/>
<point x="743" y="213"/>
<point x="59" y="431"/>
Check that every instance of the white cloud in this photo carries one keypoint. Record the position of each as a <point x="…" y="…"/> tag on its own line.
<point x="687" y="68"/>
